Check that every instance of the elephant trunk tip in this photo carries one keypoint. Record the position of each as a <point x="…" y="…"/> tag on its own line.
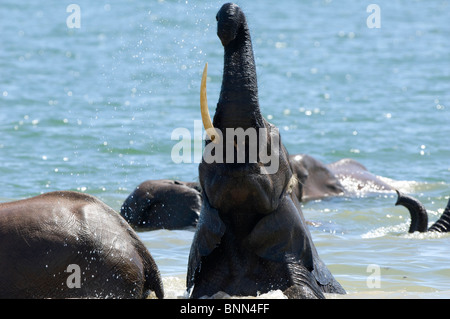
<point x="229" y="20"/>
<point x="399" y="195"/>
<point x="419" y="215"/>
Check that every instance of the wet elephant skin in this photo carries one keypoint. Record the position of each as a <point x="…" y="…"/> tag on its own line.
<point x="251" y="236"/>
<point x="163" y="204"/>
<point x="71" y="245"/>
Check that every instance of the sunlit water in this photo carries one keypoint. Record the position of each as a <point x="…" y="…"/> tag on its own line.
<point x="92" y="109"/>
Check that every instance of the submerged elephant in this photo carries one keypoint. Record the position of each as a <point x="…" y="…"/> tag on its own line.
<point x="251" y="236"/>
<point x="71" y="245"/>
<point x="355" y="177"/>
<point x="419" y="215"/>
<point x="317" y="180"/>
<point x="167" y="204"/>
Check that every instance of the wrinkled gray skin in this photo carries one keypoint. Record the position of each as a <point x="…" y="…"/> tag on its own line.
<point x="317" y="180"/>
<point x="41" y="236"/>
<point x="419" y="215"/>
<point x="251" y="237"/>
<point x="163" y="204"/>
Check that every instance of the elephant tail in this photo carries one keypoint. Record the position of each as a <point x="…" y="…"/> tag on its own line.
<point x="443" y="224"/>
<point x="419" y="216"/>
<point x="153" y="281"/>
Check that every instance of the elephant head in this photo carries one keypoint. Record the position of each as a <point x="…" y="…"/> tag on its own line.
<point x="157" y="204"/>
<point x="419" y="215"/>
<point x="251" y="236"/>
<point x="315" y="179"/>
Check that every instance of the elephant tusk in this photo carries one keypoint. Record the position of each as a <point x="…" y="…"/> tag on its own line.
<point x="210" y="130"/>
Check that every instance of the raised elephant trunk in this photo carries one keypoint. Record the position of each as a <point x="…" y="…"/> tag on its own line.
<point x="243" y="135"/>
<point x="419" y="215"/>
<point x="443" y="224"/>
<point x="238" y="104"/>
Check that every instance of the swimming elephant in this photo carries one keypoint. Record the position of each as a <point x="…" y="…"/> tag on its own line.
<point x="355" y="177"/>
<point x="346" y="176"/>
<point x="168" y="204"/>
<point x="251" y="236"/>
<point x="419" y="215"/>
<point x="315" y="179"/>
<point x="71" y="245"/>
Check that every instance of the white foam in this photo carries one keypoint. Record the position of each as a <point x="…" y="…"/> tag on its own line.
<point x="175" y="288"/>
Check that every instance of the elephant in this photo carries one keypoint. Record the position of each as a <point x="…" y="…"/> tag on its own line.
<point x="317" y="180"/>
<point x="349" y="171"/>
<point x="168" y="204"/>
<point x="419" y="215"/>
<point x="67" y="244"/>
<point x="251" y="236"/>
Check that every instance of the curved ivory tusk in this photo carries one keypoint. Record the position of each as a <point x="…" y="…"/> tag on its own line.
<point x="210" y="130"/>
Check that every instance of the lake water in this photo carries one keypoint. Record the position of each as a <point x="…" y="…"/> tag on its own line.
<point x="93" y="108"/>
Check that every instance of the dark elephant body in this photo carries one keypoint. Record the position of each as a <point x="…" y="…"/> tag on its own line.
<point x="317" y="180"/>
<point x="251" y="236"/>
<point x="251" y="254"/>
<point x="47" y="238"/>
<point x="167" y="204"/>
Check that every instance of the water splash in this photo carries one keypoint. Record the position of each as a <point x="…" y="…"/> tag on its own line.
<point x="175" y="288"/>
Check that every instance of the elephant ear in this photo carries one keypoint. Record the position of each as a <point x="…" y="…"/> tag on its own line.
<point x="282" y="233"/>
<point x="209" y="232"/>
